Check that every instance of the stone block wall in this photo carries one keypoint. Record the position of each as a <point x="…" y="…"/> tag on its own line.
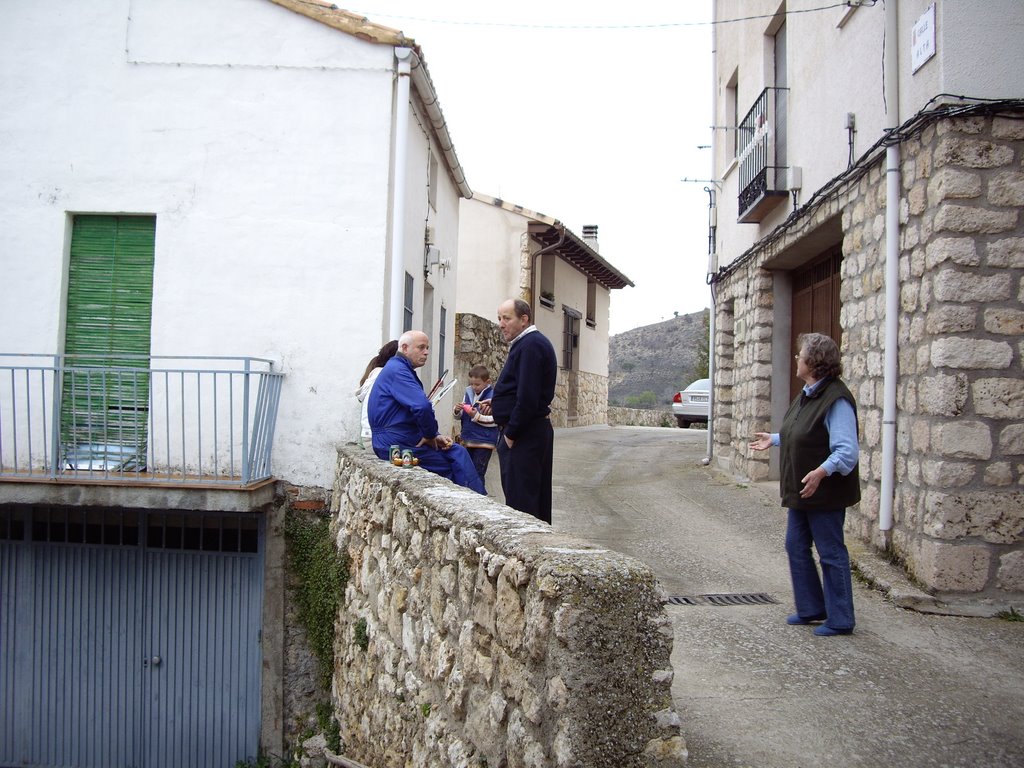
<point x="743" y="367"/>
<point x="640" y="417"/>
<point x="960" y="397"/>
<point x="591" y="399"/>
<point x="477" y="342"/>
<point x="959" y="499"/>
<point x="472" y="635"/>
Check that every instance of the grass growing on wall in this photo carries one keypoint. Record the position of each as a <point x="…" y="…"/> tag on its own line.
<point x="320" y="575"/>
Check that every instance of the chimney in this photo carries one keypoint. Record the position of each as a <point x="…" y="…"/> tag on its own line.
<point x="590" y="236"/>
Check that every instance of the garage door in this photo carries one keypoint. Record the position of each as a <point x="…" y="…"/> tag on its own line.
<point x="128" y="638"/>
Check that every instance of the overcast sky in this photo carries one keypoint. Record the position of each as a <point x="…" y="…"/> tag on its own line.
<point x="587" y="125"/>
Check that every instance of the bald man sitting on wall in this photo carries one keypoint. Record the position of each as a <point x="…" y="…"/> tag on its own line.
<point x="400" y="414"/>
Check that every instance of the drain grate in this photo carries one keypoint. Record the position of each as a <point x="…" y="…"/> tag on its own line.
<point x="742" y="598"/>
<point x="684" y="600"/>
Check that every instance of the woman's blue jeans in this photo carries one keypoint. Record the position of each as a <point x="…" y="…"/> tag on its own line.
<point x="823" y="529"/>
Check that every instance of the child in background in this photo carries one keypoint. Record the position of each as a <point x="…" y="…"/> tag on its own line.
<point x="479" y="433"/>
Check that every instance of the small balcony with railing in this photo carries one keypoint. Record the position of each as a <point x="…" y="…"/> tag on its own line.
<point x="136" y="421"/>
<point x="761" y="137"/>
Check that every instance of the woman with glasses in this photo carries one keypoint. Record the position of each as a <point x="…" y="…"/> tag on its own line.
<point x="819" y="480"/>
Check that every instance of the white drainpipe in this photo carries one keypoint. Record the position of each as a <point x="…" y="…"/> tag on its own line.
<point x="711" y="375"/>
<point x="713" y="244"/>
<point x="397" y="293"/>
<point x="892" y="272"/>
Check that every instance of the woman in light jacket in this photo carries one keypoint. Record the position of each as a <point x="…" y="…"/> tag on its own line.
<point x="366" y="384"/>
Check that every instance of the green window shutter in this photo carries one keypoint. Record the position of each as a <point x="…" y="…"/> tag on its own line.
<point x="109" y="315"/>
<point x="110" y="286"/>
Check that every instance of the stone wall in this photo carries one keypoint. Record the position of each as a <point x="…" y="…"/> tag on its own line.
<point x="302" y="687"/>
<point x="591" y="399"/>
<point x="478" y="341"/>
<point x="640" y="417"/>
<point x="473" y="635"/>
<point x="959" y="505"/>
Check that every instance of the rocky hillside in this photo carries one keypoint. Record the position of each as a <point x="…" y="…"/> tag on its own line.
<point x="661" y="359"/>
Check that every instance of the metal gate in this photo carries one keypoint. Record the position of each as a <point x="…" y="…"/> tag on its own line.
<point x="128" y="639"/>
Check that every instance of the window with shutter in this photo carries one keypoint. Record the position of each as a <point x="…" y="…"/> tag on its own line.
<point x="105" y="400"/>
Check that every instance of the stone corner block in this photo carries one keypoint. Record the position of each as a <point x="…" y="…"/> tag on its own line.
<point x="947" y="567"/>
<point x="1010" y="575"/>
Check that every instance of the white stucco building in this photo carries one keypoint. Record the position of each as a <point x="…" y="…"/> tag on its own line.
<point x="289" y="160"/>
<point x="868" y="186"/>
<point x="215" y="214"/>
<point x="507" y="251"/>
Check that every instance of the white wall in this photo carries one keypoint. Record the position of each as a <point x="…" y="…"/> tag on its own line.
<point x="594" y="341"/>
<point x="260" y="140"/>
<point x="838" y="74"/>
<point x="571" y="291"/>
<point x="977" y="51"/>
<point x="835" y="70"/>
<point x="491" y="241"/>
<point x="445" y="222"/>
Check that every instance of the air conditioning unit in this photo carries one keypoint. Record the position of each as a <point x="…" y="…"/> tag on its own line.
<point x="795" y="177"/>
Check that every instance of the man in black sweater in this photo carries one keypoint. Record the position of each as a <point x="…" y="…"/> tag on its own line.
<point x="520" y="405"/>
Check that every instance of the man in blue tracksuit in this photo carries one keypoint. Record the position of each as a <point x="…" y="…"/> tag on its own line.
<point x="400" y="414"/>
<point x="521" y="404"/>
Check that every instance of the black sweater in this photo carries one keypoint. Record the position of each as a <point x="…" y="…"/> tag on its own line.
<point x="526" y="385"/>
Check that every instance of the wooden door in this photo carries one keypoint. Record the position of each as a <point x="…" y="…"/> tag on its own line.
<point x="815" y="303"/>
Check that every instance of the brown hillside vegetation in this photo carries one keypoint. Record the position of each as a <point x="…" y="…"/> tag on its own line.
<point x="661" y="358"/>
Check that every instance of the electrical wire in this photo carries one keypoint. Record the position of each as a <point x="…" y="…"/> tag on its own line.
<point x="603" y="27"/>
<point x="914" y="126"/>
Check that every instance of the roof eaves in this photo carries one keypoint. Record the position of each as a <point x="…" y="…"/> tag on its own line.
<point x="346" y="21"/>
<point x="512" y="207"/>
<point x="576" y="252"/>
<point x="428" y="97"/>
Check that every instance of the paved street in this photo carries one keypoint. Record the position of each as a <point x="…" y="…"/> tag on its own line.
<point x="906" y="689"/>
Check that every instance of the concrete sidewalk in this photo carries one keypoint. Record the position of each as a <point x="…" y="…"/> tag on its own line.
<point x="908" y="688"/>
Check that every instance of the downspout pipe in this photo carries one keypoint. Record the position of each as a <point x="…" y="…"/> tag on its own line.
<point x="401" y="155"/>
<point x="712" y="244"/>
<point x="712" y="267"/>
<point x="892" y="272"/>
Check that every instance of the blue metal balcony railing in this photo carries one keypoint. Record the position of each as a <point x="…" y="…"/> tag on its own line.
<point x="159" y="419"/>
<point x="762" y="179"/>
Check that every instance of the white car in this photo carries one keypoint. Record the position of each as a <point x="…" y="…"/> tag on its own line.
<point x="693" y="403"/>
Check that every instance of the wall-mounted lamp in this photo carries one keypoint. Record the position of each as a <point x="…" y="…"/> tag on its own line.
<point x="432" y="258"/>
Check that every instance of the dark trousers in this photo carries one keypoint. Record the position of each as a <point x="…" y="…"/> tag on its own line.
<point x="481" y="458"/>
<point x="526" y="469"/>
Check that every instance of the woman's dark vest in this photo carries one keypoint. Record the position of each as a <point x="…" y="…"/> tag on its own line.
<point x="805" y="445"/>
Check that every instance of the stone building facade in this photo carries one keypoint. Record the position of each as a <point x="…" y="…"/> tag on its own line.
<point x="959" y="484"/>
<point x="508" y="251"/>
<point x="479" y="342"/>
